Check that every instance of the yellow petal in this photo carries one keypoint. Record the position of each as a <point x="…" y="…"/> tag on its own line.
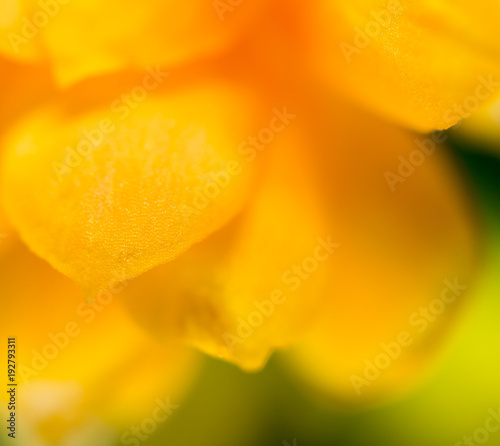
<point x="105" y="193"/>
<point x="19" y="33"/>
<point x="238" y="295"/>
<point x="424" y="64"/>
<point x="402" y="247"/>
<point x="84" y="38"/>
<point x="79" y="362"/>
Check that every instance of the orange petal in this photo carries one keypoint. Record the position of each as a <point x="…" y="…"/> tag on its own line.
<point x="22" y="87"/>
<point x="123" y="34"/>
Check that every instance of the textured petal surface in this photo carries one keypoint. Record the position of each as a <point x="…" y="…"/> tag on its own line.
<point x="424" y="64"/>
<point x="401" y="247"/>
<point x="238" y="295"/>
<point x="108" y="192"/>
<point x="123" y="33"/>
<point x="81" y="366"/>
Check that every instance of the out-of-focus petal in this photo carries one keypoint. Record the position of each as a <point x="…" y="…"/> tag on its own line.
<point x="81" y="365"/>
<point x="105" y="193"/>
<point x="407" y="248"/>
<point x="238" y="295"/>
<point x="5" y="233"/>
<point x="22" y="86"/>
<point x="424" y="64"/>
<point x="85" y="38"/>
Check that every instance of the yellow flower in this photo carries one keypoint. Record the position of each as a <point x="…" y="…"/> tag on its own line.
<point x="424" y="64"/>
<point x="247" y="206"/>
<point x="80" y="366"/>
<point x="83" y="38"/>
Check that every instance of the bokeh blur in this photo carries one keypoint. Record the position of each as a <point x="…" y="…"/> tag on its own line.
<point x="235" y="222"/>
